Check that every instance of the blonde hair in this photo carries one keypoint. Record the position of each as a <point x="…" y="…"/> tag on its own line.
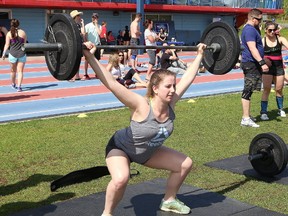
<point x="157" y="77"/>
<point x="114" y="60"/>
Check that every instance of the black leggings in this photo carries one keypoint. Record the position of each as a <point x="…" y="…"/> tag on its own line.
<point x="127" y="79"/>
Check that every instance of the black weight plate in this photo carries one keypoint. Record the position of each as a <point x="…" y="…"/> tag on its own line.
<point x="65" y="64"/>
<point x="276" y="160"/>
<point x="227" y="37"/>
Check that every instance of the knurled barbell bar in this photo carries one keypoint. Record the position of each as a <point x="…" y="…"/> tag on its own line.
<point x="268" y="154"/>
<point x="63" y="47"/>
<point x="214" y="47"/>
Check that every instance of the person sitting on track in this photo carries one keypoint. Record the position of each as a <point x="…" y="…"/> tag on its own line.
<point x="117" y="68"/>
<point x="151" y="123"/>
<point x="166" y="61"/>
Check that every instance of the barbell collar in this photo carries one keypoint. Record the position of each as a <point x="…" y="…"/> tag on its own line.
<point x="42" y="47"/>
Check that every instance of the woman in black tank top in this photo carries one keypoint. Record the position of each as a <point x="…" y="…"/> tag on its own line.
<point x="273" y="57"/>
<point x="126" y="36"/>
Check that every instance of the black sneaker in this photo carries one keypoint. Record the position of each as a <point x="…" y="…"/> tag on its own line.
<point x="13" y="85"/>
<point x="19" y="89"/>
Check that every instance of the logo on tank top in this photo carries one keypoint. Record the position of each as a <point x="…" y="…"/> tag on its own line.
<point x="159" y="138"/>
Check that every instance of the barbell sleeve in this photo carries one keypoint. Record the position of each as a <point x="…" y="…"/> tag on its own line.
<point x="255" y="157"/>
<point x="38" y="47"/>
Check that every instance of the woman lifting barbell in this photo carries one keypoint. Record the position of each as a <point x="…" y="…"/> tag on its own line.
<point x="151" y="124"/>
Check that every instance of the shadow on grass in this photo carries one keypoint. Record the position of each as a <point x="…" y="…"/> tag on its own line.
<point x="29" y="182"/>
<point x="234" y="186"/>
<point x="21" y="205"/>
<point x="273" y="115"/>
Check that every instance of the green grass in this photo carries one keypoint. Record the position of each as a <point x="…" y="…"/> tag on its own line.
<point x="34" y="153"/>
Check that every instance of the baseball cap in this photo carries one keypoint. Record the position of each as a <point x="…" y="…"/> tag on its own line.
<point x="75" y="13"/>
<point x="95" y="15"/>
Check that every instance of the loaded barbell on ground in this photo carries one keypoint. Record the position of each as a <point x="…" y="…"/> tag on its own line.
<point x="268" y="154"/>
<point x="63" y="47"/>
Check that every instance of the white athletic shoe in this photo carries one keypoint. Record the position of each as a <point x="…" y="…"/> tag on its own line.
<point x="249" y="123"/>
<point x="264" y="117"/>
<point x="282" y="113"/>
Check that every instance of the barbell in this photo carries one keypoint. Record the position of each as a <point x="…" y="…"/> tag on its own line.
<point x="63" y="47"/>
<point x="268" y="154"/>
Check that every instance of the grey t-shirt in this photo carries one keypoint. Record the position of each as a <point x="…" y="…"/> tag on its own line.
<point x="141" y="139"/>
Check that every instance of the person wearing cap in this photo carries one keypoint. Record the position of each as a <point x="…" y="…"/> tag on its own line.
<point x="76" y="15"/>
<point x="93" y="30"/>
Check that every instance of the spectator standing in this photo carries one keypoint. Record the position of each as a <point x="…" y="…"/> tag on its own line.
<point x="150" y="40"/>
<point x="103" y="36"/>
<point x="76" y="16"/>
<point x="126" y="36"/>
<point x="120" y="38"/>
<point x="273" y="52"/>
<point x="93" y="30"/>
<point x="15" y="38"/>
<point x="3" y="33"/>
<point x="253" y="63"/>
<point x="135" y="39"/>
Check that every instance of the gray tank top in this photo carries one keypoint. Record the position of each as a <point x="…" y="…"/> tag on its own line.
<point x="15" y="47"/>
<point x="141" y="139"/>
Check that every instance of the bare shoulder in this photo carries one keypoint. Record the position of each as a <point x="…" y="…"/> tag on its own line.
<point x="21" y="32"/>
<point x="142" y="110"/>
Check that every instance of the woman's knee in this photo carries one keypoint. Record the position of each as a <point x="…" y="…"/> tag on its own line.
<point x="279" y="91"/>
<point x="120" y="181"/>
<point x="187" y="164"/>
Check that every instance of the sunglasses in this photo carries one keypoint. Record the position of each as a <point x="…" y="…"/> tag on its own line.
<point x="271" y="30"/>
<point x="259" y="19"/>
<point x="120" y="55"/>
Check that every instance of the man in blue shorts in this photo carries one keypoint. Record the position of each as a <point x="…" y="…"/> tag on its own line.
<point x="253" y="63"/>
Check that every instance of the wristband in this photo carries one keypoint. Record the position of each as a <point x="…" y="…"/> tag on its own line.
<point x="262" y="62"/>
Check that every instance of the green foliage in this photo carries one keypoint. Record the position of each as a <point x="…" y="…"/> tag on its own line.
<point x="34" y="153"/>
<point x="284" y="17"/>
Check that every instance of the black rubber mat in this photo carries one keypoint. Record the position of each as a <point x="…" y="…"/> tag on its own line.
<point x="241" y="165"/>
<point x="143" y="200"/>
